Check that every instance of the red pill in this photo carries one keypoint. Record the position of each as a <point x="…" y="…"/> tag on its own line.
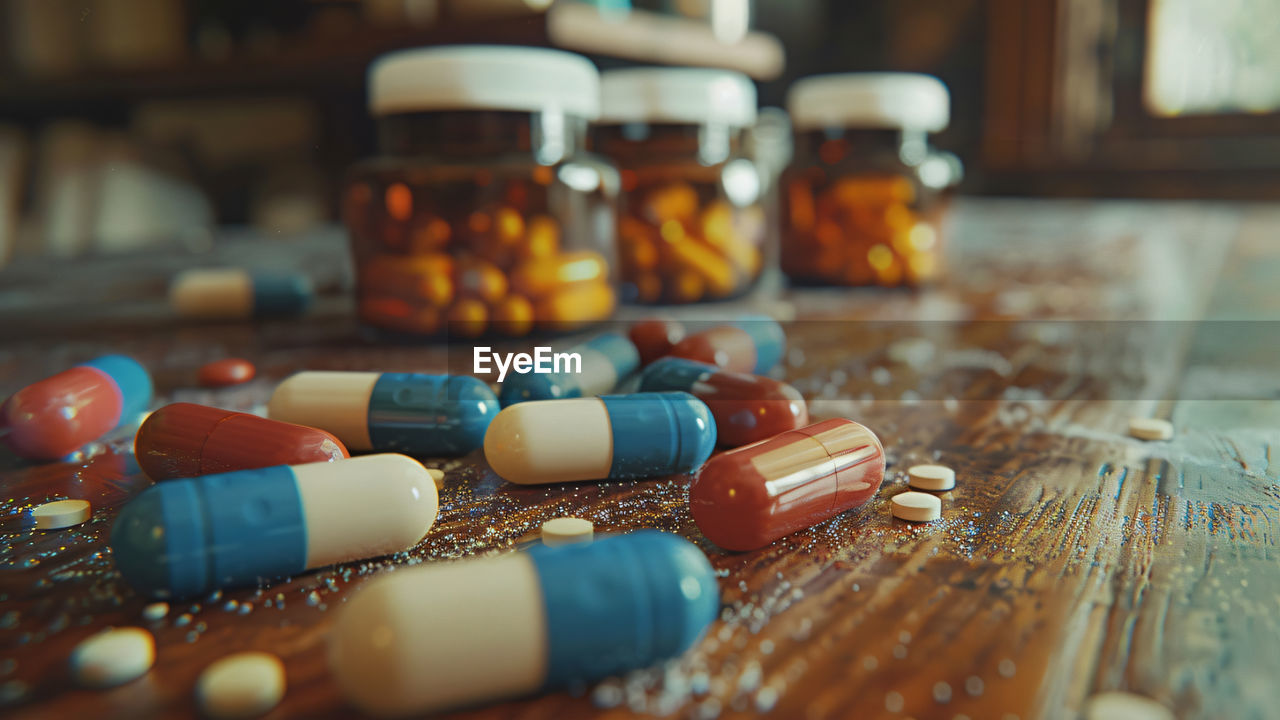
<point x="655" y="338"/>
<point x="186" y="440"/>
<point x="752" y="344"/>
<point x="230" y="371"/>
<point x="746" y="498"/>
<point x="747" y="408"/>
<point x="55" y="416"/>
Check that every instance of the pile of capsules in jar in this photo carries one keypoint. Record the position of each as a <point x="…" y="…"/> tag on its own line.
<point x="472" y="255"/>
<point x="865" y="229"/>
<point x="564" y="614"/>
<point x="682" y="242"/>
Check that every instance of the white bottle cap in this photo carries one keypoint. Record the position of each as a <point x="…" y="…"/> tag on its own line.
<point x="484" y="77"/>
<point x="870" y="100"/>
<point x="677" y="95"/>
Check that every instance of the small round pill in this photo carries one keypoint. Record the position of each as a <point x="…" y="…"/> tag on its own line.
<point x="1124" y="706"/>
<point x="566" y="530"/>
<point x="230" y="371"/>
<point x="61" y="514"/>
<point x="916" y="507"/>
<point x="155" y="611"/>
<point x="1150" y="428"/>
<point x="113" y="657"/>
<point x="931" y="477"/>
<point x="437" y="476"/>
<point x="242" y="685"/>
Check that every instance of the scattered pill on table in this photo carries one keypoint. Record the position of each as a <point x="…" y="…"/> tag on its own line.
<point x="603" y="361"/>
<point x="242" y="685"/>
<point x="155" y="611"/>
<point x="1124" y="706"/>
<point x="53" y="417"/>
<point x="229" y="371"/>
<point x="624" y="601"/>
<point x="61" y="514"/>
<point x="113" y="657"/>
<point x="931" y="477"/>
<point x="746" y="498"/>
<point x="616" y="437"/>
<point x="188" y="440"/>
<point x="231" y="293"/>
<point x="916" y="507"/>
<point x="747" y="408"/>
<point x="1150" y="428"/>
<point x="415" y="413"/>
<point x="185" y="537"/>
<point x="752" y="344"/>
<point x="566" y="530"/>
<point x="655" y="338"/>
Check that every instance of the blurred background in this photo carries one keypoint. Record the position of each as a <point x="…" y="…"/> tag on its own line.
<point x="130" y="125"/>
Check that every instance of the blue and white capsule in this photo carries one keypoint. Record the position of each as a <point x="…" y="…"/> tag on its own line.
<point x="236" y="293"/>
<point x="412" y="413"/>
<point x="605" y="361"/>
<point x="183" y="538"/>
<point x="433" y="638"/>
<point x="613" y="437"/>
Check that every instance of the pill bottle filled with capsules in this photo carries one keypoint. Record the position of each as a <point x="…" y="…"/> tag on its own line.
<point x="691" y="219"/>
<point x="483" y="215"/>
<point x="864" y="199"/>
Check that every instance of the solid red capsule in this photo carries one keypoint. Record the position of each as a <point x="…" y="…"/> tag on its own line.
<point x="655" y="338"/>
<point x="187" y="440"/>
<point x="747" y="408"/>
<point x="746" y="498"/>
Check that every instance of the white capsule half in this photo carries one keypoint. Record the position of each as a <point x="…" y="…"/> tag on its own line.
<point x="486" y="616"/>
<point x="551" y="441"/>
<point x="212" y="293"/>
<point x="333" y="401"/>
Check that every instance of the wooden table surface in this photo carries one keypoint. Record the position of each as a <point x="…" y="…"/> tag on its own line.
<point x="1071" y="559"/>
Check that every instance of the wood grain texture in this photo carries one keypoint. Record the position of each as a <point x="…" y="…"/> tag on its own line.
<point x="1070" y="559"/>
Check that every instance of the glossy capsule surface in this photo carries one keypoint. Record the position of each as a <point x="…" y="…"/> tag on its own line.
<point x="186" y="537"/>
<point x="610" y="437"/>
<point x="605" y="360"/>
<point x="747" y="408"/>
<point x="746" y="498"/>
<point x="412" y="413"/>
<point x="748" y="345"/>
<point x="186" y="440"/>
<point x="655" y="338"/>
<point x="448" y="634"/>
<point x="53" y="417"/>
<point x="231" y="293"/>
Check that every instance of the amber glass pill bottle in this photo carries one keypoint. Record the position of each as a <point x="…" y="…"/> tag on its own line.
<point x="483" y="214"/>
<point x="691" y="220"/>
<point x="864" y="199"/>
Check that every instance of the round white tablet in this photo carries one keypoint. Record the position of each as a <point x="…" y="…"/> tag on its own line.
<point x="566" y="530"/>
<point x="916" y="507"/>
<point x="61" y="514"/>
<point x="931" y="477"/>
<point x="240" y="686"/>
<point x="437" y="476"/>
<point x="1124" y="706"/>
<point x="1150" y="428"/>
<point x="113" y="657"/>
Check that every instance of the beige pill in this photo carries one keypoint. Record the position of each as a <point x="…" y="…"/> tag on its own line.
<point x="437" y="476"/>
<point x="61" y="514"/>
<point x="1150" y="428"/>
<point x="240" y="686"/>
<point x="931" y="477"/>
<point x="113" y="657"/>
<point x="566" y="530"/>
<point x="1124" y="706"/>
<point x="916" y="507"/>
